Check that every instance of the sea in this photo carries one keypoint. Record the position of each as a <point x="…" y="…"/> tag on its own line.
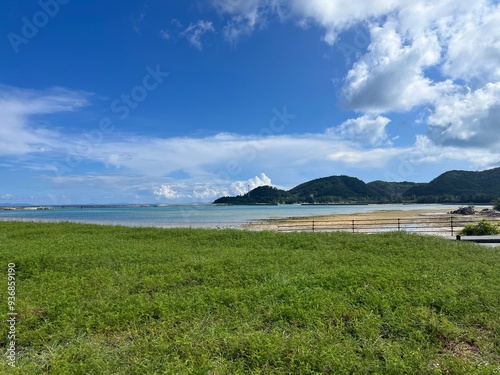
<point x="195" y="216"/>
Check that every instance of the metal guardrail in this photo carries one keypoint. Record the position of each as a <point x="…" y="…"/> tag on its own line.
<point x="432" y="225"/>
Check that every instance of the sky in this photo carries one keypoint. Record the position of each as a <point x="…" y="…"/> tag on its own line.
<point x="159" y="101"/>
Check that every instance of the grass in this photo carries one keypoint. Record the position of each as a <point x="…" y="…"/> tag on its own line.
<point x="117" y="300"/>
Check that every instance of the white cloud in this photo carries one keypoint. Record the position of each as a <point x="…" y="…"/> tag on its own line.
<point x="332" y="15"/>
<point x="195" y="32"/>
<point x="419" y="54"/>
<point x="240" y="26"/>
<point x="474" y="47"/>
<point x="390" y="76"/>
<point x="337" y="15"/>
<point x="166" y="191"/>
<point x="366" y="129"/>
<point x="245" y="15"/>
<point x="165" y="35"/>
<point x="221" y="162"/>
<point x="459" y="38"/>
<point x="208" y="192"/>
<point x="470" y="119"/>
<point x="219" y="165"/>
<point x="19" y="133"/>
<point x="372" y="158"/>
<point x="94" y="179"/>
<point x="242" y="187"/>
<point x="426" y="151"/>
<point x="236" y="6"/>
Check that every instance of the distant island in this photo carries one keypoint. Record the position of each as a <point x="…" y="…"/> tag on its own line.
<point x="450" y="187"/>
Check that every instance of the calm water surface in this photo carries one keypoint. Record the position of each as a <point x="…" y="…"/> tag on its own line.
<point x="195" y="216"/>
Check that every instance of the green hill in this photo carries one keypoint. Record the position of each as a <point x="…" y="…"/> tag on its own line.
<point x="260" y="195"/>
<point x="392" y="189"/>
<point x="450" y="187"/>
<point x="333" y="189"/>
<point x="459" y="186"/>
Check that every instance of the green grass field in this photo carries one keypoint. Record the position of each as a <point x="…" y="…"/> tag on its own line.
<point x="117" y="300"/>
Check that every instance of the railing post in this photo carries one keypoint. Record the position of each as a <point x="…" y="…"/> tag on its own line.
<point x="313" y="226"/>
<point x="451" y="225"/>
<point x="399" y="224"/>
<point x="353" y="226"/>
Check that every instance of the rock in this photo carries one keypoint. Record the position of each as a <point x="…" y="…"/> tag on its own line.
<point x="490" y="213"/>
<point x="469" y="210"/>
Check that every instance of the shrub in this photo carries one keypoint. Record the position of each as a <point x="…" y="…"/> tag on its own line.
<point x="496" y="204"/>
<point x="484" y="228"/>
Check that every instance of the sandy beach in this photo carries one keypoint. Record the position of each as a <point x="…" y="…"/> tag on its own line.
<point x="433" y="221"/>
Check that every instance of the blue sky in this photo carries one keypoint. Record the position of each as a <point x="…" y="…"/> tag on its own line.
<point x="184" y="102"/>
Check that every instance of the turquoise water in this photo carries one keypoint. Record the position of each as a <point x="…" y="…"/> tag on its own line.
<point x="195" y="216"/>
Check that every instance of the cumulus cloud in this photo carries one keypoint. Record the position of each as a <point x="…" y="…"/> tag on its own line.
<point x="470" y="119"/>
<point x="166" y="191"/>
<point x="419" y="55"/>
<point x="458" y="39"/>
<point x="337" y="15"/>
<point x="208" y="192"/>
<point x="332" y="15"/>
<point x="474" y="46"/>
<point x="242" y="187"/>
<point x="366" y="129"/>
<point x="390" y="76"/>
<point x="195" y="32"/>
<point x="427" y="152"/>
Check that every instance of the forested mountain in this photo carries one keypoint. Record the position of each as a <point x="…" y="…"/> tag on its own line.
<point x="333" y="189"/>
<point x="260" y="195"/>
<point x="392" y="189"/>
<point x="450" y="187"/>
<point x="459" y="186"/>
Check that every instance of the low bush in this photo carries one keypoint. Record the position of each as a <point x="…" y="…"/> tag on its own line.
<point x="496" y="204"/>
<point x="484" y="228"/>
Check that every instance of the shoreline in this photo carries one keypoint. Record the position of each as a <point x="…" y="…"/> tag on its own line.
<point x="415" y="220"/>
<point x="378" y="219"/>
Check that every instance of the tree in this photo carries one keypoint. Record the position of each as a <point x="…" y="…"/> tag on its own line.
<point x="496" y="204"/>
